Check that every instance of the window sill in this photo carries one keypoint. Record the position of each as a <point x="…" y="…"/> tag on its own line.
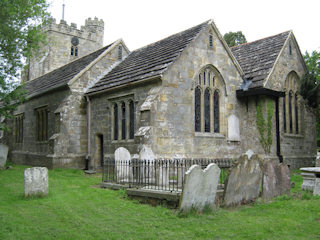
<point x="292" y="135"/>
<point x="123" y="141"/>
<point x="208" y="135"/>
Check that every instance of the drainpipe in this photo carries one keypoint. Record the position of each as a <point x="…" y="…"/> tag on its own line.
<point x="88" y="157"/>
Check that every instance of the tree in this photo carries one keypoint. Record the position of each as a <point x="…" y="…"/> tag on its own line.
<point x="20" y="36"/>
<point x="234" y="38"/>
<point x="310" y="86"/>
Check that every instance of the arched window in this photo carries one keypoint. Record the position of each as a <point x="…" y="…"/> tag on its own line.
<point x="76" y="51"/>
<point x="216" y="113"/>
<point x="207" y="110"/>
<point x="197" y="109"/>
<point x="123" y="121"/>
<point x="207" y="100"/>
<point x="210" y="41"/>
<point x="131" y="126"/>
<point x="284" y="115"/>
<point x="115" y="122"/>
<point x="290" y="112"/>
<point x="72" y="50"/>
<point x="296" y="112"/>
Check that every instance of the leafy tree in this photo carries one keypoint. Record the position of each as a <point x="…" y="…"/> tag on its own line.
<point x="234" y="38"/>
<point x="310" y="86"/>
<point x="20" y="35"/>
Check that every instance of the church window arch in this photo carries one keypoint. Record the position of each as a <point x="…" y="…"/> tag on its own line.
<point x="210" y="41"/>
<point x="76" y="51"/>
<point x="131" y="117"/>
<point x="207" y="110"/>
<point x="208" y="100"/>
<point x="115" y="121"/>
<point x="216" y="111"/>
<point x="123" y="120"/>
<point x="72" y="51"/>
<point x="197" y="107"/>
<point x="120" y="53"/>
<point x="291" y="116"/>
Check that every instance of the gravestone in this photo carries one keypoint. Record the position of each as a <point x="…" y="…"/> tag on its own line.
<point x="276" y="179"/>
<point x="200" y="187"/>
<point x="233" y="128"/>
<point x="147" y="172"/>
<point x="244" y="181"/>
<point x="122" y="159"/>
<point x="3" y="155"/>
<point x="316" y="190"/>
<point x="36" y="181"/>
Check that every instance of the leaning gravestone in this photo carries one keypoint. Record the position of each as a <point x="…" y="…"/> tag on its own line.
<point x="316" y="190"/>
<point x="3" y="155"/>
<point x="276" y="179"/>
<point x="123" y="161"/>
<point x="36" y="181"/>
<point x="244" y="181"/>
<point x="200" y="187"/>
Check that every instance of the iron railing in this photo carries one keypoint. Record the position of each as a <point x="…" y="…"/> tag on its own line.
<point x="158" y="174"/>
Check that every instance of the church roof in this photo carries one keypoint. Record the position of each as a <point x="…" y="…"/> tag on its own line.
<point x="61" y="76"/>
<point x="149" y="61"/>
<point x="257" y="58"/>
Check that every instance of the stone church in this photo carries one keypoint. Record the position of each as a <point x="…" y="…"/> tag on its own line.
<point x="186" y="96"/>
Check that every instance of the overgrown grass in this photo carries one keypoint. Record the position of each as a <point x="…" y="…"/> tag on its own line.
<point x="76" y="209"/>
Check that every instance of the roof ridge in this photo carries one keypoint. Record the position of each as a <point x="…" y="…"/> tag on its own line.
<point x="172" y="35"/>
<point x="261" y="39"/>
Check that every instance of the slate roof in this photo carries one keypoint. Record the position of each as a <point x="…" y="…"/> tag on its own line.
<point x="149" y="61"/>
<point x="257" y="58"/>
<point x="61" y="76"/>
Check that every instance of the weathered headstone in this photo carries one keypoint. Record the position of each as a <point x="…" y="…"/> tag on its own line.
<point x="200" y="187"/>
<point x="276" y="179"/>
<point x="36" y="181"/>
<point x="233" y="128"/>
<point x="147" y="157"/>
<point x="3" y="155"/>
<point x="123" y="164"/>
<point x="316" y="190"/>
<point x="244" y="181"/>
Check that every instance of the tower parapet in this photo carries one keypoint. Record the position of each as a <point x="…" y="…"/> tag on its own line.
<point x="65" y="44"/>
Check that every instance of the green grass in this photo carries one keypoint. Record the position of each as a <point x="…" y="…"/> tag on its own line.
<point x="76" y="209"/>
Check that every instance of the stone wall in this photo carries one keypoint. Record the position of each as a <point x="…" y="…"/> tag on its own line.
<point x="31" y="151"/>
<point x="102" y="122"/>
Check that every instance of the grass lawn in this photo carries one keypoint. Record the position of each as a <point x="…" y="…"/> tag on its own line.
<point x="75" y="209"/>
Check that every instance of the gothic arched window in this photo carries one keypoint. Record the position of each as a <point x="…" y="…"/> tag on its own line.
<point x="115" y="122"/>
<point x="72" y="50"/>
<point x="123" y="121"/>
<point x="216" y="112"/>
<point x="76" y="51"/>
<point x="207" y="110"/>
<point x="207" y="100"/>
<point x="290" y="112"/>
<point x="197" y="110"/>
<point x="131" y="116"/>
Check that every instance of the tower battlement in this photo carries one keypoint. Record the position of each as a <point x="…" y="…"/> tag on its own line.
<point x="92" y="30"/>
<point x="65" y="43"/>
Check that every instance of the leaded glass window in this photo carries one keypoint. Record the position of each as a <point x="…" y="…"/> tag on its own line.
<point x="131" y="113"/>
<point x="216" y="112"/>
<point x="18" y="128"/>
<point x="123" y="121"/>
<point x="207" y="110"/>
<point x="290" y="113"/>
<point x="115" y="122"/>
<point x="42" y="124"/>
<point x="197" y="107"/>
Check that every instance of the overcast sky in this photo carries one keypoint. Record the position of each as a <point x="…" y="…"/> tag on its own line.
<point x="140" y="22"/>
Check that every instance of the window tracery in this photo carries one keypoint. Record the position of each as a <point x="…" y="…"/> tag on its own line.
<point x="207" y="101"/>
<point x="290" y="106"/>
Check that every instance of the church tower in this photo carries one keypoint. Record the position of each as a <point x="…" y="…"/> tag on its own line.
<point x="64" y="44"/>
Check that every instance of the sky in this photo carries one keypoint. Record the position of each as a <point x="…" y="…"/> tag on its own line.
<point x="141" y="22"/>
